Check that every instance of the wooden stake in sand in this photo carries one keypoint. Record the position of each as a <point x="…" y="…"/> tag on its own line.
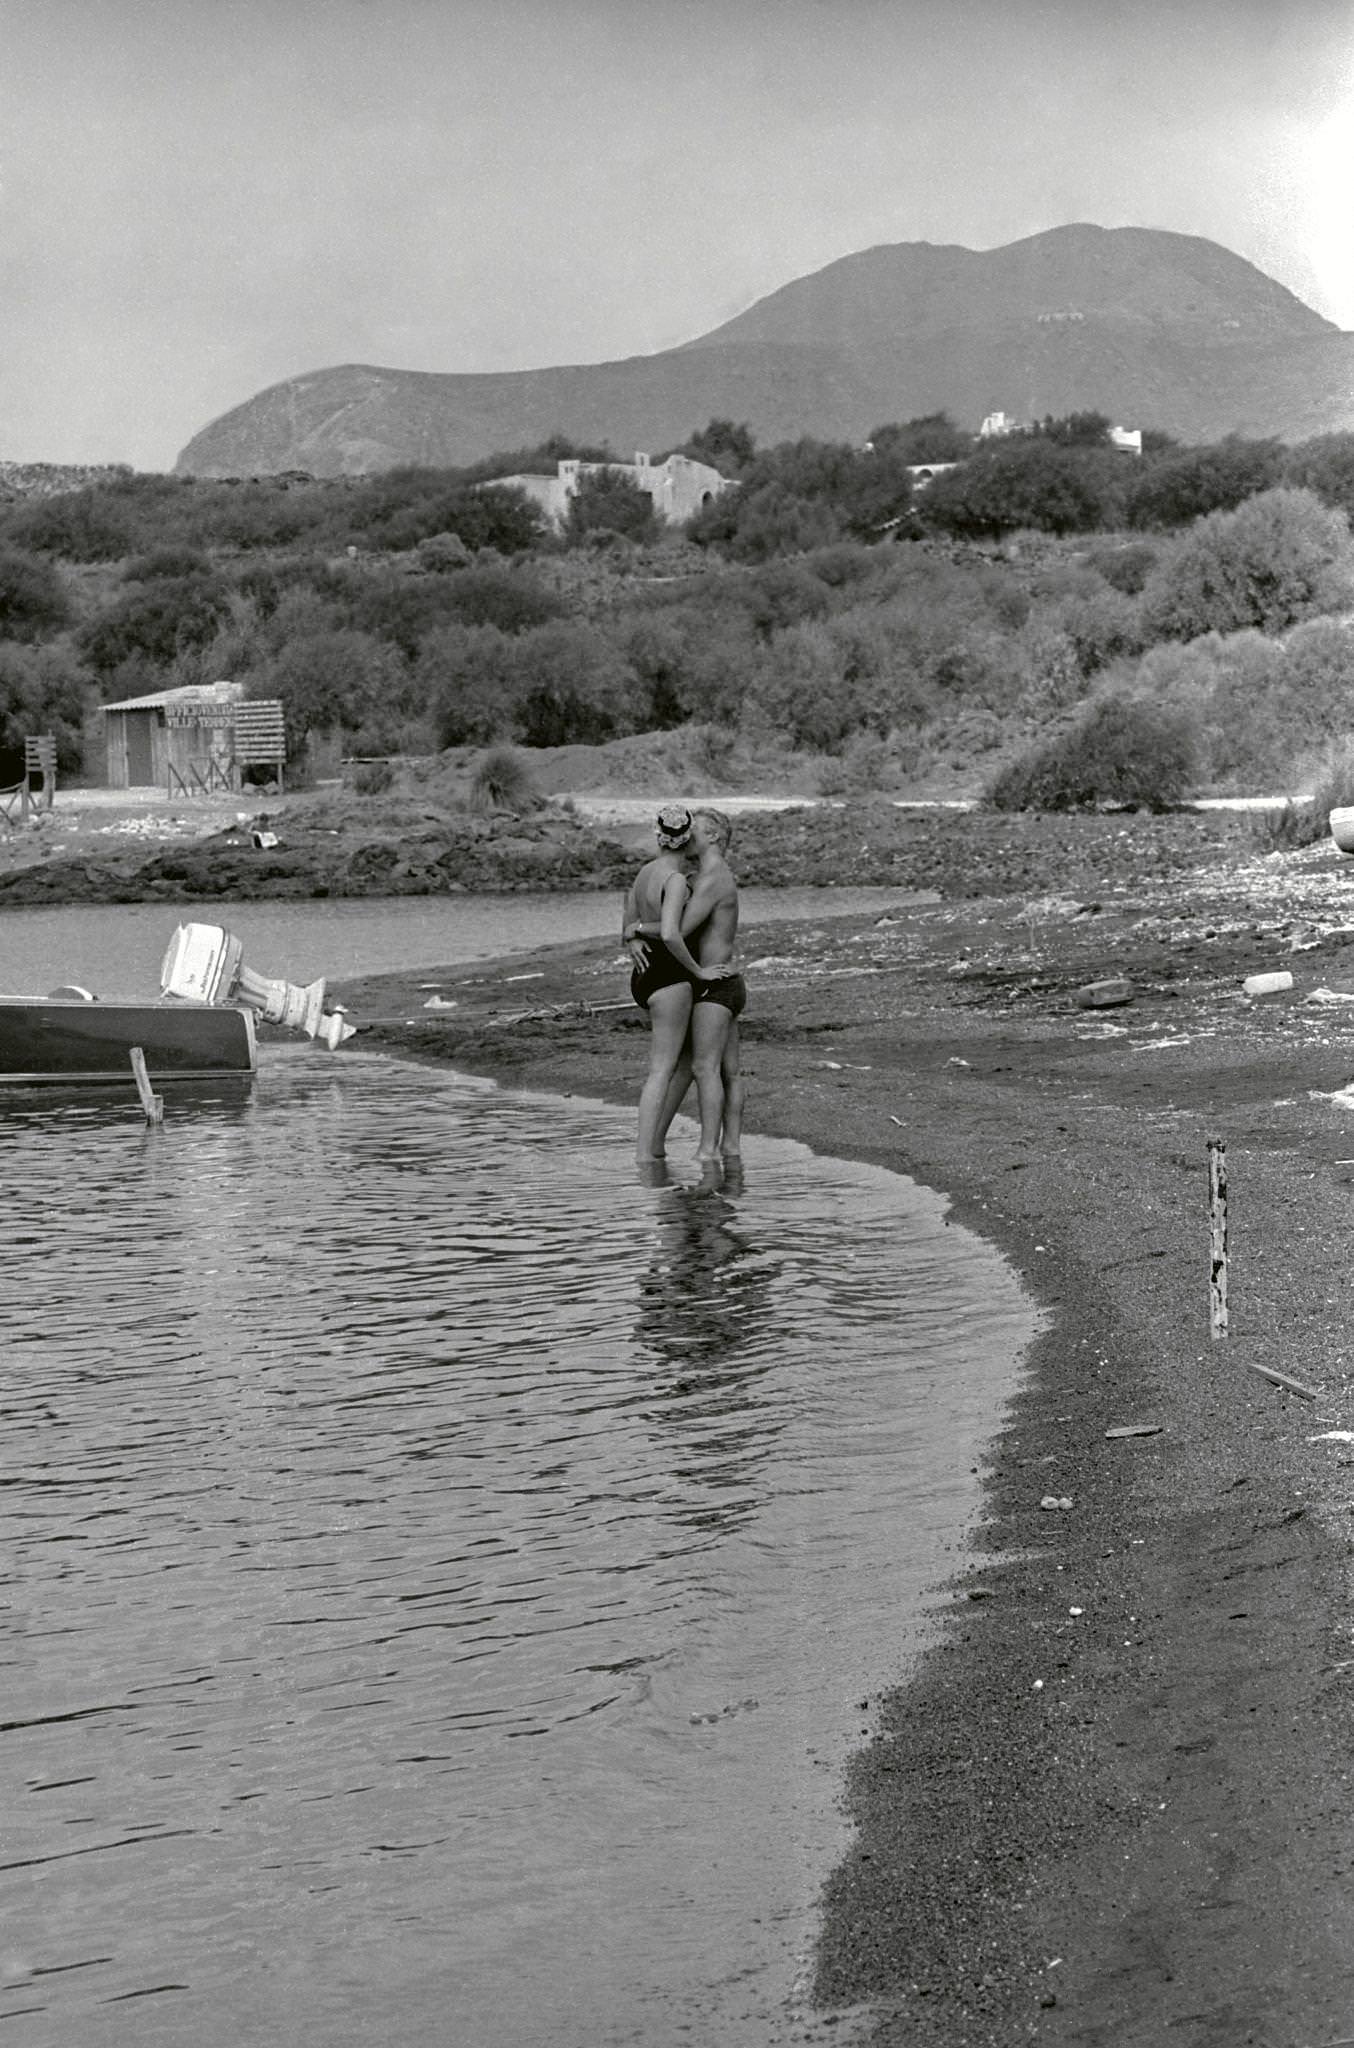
<point x="152" y="1103"/>
<point x="1217" y="1238"/>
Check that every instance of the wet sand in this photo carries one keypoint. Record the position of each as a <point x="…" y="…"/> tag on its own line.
<point x="1112" y="1805"/>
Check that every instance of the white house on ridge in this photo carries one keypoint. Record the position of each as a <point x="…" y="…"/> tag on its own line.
<point x="678" y="487"/>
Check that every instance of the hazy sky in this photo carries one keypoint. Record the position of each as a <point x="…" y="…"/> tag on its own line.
<point x="201" y="197"/>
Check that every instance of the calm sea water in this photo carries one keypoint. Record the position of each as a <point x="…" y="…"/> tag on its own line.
<point x="442" y="1575"/>
<point x="116" y="949"/>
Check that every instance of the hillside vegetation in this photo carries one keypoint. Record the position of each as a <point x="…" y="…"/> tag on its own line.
<point x="823" y="613"/>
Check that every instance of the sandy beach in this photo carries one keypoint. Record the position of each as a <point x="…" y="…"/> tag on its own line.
<point x="1110" y="1805"/>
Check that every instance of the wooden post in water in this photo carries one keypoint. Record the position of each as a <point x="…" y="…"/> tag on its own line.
<point x="153" y="1104"/>
<point x="1217" y="1238"/>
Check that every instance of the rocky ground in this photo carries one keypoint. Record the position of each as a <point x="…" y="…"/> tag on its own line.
<point x="1112" y="1805"/>
<point x="344" y="844"/>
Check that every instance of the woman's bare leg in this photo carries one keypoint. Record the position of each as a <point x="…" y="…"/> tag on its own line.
<point x="676" y="1095"/>
<point x="669" y="1016"/>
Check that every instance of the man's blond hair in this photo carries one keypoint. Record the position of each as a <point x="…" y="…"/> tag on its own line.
<point x="723" y="828"/>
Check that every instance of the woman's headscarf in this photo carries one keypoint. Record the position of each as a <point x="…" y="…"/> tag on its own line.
<point x="673" y="828"/>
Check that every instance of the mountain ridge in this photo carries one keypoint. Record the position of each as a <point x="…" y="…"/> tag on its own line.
<point x="1152" y="327"/>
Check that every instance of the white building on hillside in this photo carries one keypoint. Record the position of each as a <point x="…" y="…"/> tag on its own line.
<point x="999" y="425"/>
<point x="678" y="486"/>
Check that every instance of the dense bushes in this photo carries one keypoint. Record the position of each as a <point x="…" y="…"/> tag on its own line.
<point x="33" y="600"/>
<point x="1121" y="750"/>
<point x="822" y="604"/>
<point x="1192" y="482"/>
<point x="608" y="500"/>
<point x="144" y="629"/>
<point x="42" y="690"/>
<point x="1280" y="557"/>
<point x="1031" y="483"/>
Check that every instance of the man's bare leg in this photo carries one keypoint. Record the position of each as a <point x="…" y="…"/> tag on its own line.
<point x="731" y="1138"/>
<point x="710" y="1025"/>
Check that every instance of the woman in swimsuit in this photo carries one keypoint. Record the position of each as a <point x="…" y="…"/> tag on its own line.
<point x="666" y="984"/>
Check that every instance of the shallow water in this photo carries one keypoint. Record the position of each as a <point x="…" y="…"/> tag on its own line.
<point x="115" y="949"/>
<point x="442" y="1574"/>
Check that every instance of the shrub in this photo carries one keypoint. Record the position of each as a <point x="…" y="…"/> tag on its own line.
<point x="1122" y="750"/>
<point x="753" y="525"/>
<point x="153" y="622"/>
<point x="1325" y="466"/>
<point x="168" y="561"/>
<point x="510" y="599"/>
<point x="441" y="552"/>
<point x="1127" y="566"/>
<point x="727" y="445"/>
<point x="1281" y="557"/>
<point x="868" y="762"/>
<point x="932" y="438"/>
<point x="1302" y="821"/>
<point x="502" y="782"/>
<point x="467" y="677"/>
<point x="373" y="778"/>
<point x="571" y="684"/>
<point x="342" y="679"/>
<point x="81" y="526"/>
<point x="1027" y="484"/>
<point x="1179" y="488"/>
<point x="608" y="500"/>
<point x="42" y="690"/>
<point x="32" y="597"/>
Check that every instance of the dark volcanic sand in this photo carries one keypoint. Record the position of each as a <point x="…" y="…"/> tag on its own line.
<point x="1154" y="1791"/>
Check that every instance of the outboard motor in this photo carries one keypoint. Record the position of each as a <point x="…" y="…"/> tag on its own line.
<point x="204" y="964"/>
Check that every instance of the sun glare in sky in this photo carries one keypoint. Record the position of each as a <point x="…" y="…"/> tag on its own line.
<point x="1329" y="180"/>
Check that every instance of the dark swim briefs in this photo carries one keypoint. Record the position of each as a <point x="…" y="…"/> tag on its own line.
<point x="730" y="991"/>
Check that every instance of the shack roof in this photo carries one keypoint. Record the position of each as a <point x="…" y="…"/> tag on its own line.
<point x="190" y="693"/>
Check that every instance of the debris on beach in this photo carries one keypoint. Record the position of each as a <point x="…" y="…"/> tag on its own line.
<point x="1285" y="1380"/>
<point x="1052" y="1501"/>
<point x="1268" y="984"/>
<point x="1107" y="994"/>
<point x="1134" y="1429"/>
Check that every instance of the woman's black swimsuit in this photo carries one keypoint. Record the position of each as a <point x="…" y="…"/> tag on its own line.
<point x="659" y="971"/>
<point x="662" y="971"/>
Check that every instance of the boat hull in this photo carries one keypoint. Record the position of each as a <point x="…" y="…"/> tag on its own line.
<point x="52" y="1040"/>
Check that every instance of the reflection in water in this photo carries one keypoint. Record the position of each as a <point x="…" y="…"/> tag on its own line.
<point x="705" y="1310"/>
<point x="396" y="1500"/>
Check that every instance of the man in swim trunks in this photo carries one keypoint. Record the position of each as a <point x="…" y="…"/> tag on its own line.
<point x="709" y="919"/>
<point x="666" y="976"/>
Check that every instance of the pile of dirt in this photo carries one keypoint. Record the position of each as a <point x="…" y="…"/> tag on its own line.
<point x="291" y="857"/>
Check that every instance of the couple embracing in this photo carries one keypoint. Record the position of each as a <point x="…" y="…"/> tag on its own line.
<point x="681" y="920"/>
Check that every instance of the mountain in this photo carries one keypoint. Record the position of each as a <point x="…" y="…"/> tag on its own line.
<point x="1155" y="329"/>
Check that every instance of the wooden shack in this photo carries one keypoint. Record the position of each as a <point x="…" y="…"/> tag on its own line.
<point x="192" y="741"/>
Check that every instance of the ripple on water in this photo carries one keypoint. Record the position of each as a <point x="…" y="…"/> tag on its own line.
<point x="438" y="1571"/>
